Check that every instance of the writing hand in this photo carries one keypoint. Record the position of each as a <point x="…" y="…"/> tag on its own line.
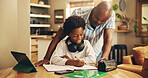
<point x="79" y="63"/>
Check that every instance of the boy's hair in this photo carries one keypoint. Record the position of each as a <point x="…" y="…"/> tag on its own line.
<point x="72" y="23"/>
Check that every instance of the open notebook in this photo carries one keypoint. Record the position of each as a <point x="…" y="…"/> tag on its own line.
<point x="53" y="68"/>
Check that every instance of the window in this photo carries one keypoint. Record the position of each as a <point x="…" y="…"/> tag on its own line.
<point x="85" y="4"/>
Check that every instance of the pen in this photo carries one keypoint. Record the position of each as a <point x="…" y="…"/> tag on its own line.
<point x="77" y="58"/>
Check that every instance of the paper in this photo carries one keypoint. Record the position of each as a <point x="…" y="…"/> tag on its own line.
<point x="53" y="68"/>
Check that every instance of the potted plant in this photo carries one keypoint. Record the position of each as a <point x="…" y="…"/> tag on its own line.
<point x="126" y="21"/>
<point x="122" y="27"/>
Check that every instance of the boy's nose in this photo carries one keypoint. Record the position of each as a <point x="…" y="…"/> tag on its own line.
<point x="79" y="38"/>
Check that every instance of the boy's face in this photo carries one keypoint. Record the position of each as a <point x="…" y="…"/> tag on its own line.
<point x="76" y="35"/>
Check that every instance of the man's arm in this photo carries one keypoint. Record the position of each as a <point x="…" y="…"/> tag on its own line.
<point x="59" y="36"/>
<point x="108" y="37"/>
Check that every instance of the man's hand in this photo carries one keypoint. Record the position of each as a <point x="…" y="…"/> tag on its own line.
<point x="45" y="61"/>
<point x="101" y="60"/>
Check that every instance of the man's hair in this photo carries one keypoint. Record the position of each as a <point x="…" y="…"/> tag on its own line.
<point x="105" y="6"/>
<point x="72" y="23"/>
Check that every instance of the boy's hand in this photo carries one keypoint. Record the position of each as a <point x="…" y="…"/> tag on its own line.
<point x="39" y="63"/>
<point x="66" y="57"/>
<point x="78" y="63"/>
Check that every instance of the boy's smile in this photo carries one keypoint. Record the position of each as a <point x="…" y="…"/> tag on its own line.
<point x="76" y="35"/>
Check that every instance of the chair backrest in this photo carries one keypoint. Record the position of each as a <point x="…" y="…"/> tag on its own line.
<point x="117" y="53"/>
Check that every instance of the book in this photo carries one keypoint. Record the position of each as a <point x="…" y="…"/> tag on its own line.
<point x="53" y="68"/>
<point x="85" y="74"/>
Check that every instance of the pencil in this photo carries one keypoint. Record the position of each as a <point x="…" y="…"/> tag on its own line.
<point x="77" y="58"/>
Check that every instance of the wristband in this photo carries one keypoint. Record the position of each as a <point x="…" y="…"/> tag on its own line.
<point x="103" y="59"/>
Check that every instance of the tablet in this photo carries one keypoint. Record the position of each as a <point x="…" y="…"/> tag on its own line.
<point x="24" y="63"/>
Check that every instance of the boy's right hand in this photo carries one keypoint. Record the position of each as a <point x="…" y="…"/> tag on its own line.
<point x="78" y="63"/>
<point x="39" y="63"/>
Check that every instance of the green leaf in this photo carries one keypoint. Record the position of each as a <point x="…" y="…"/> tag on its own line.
<point x="119" y="16"/>
<point x="115" y="7"/>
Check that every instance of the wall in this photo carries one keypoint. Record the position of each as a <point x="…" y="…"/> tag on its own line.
<point x="23" y="25"/>
<point x="127" y="38"/>
<point x="56" y="4"/>
<point x="14" y="30"/>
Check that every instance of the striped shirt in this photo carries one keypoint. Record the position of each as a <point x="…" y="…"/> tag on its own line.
<point x="94" y="35"/>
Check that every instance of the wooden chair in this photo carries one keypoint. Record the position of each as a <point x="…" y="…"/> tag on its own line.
<point x="117" y="53"/>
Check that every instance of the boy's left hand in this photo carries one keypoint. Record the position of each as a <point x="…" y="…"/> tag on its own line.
<point x="66" y="57"/>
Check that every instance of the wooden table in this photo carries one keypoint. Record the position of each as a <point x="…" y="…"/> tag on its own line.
<point x="42" y="73"/>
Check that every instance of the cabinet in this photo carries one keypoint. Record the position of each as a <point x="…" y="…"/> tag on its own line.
<point x="59" y="16"/>
<point x="39" y="18"/>
<point x="34" y="45"/>
<point x="39" y="21"/>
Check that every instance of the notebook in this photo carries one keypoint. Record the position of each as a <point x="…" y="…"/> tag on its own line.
<point x="85" y="74"/>
<point x="24" y="64"/>
<point x="53" y="68"/>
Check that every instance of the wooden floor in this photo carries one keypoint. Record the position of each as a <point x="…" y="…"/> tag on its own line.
<point x="34" y="57"/>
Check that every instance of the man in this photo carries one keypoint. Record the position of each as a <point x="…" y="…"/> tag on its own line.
<point x="99" y="30"/>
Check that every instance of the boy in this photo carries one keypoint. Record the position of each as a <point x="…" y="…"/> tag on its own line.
<point x="74" y="50"/>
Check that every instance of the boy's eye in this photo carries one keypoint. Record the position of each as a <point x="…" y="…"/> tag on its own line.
<point x="98" y="18"/>
<point x="75" y="35"/>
